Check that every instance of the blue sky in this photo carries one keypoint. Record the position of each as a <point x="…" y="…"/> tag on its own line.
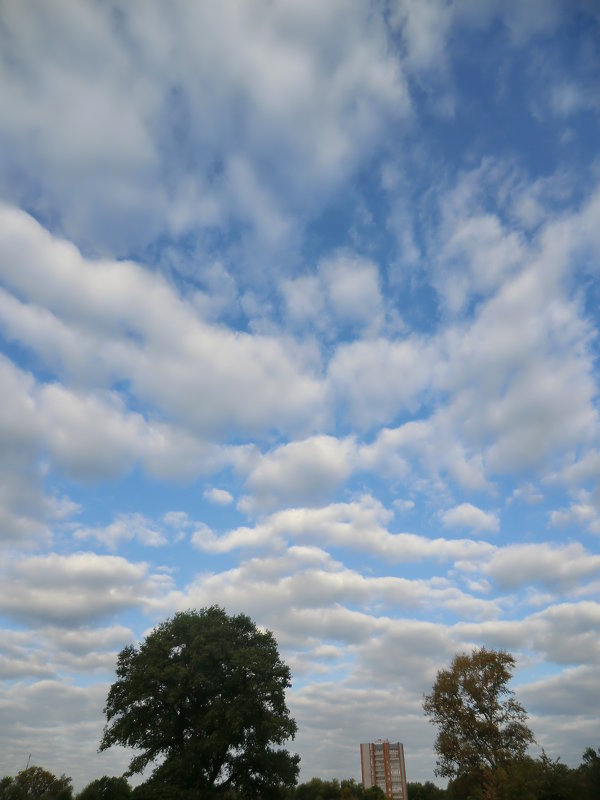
<point x="299" y="315"/>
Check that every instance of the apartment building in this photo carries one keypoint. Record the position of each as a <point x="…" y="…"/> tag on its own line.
<point x="382" y="764"/>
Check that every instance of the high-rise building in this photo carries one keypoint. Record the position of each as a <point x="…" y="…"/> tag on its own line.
<point x="382" y="765"/>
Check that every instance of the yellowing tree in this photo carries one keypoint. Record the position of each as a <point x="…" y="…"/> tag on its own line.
<point x="481" y="725"/>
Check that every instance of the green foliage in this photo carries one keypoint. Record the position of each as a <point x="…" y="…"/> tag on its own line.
<point x="36" y="783"/>
<point x="482" y="727"/>
<point x="522" y="779"/>
<point x="532" y="779"/>
<point x="348" y="789"/>
<point x="351" y="790"/>
<point x="317" y="789"/>
<point x="204" y="696"/>
<point x="374" y="793"/>
<point x="589" y="773"/>
<point x="555" y="781"/>
<point x="424" y="791"/>
<point x="8" y="788"/>
<point x="106" y="788"/>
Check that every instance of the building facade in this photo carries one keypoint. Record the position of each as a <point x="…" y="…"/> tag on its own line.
<point x="382" y="764"/>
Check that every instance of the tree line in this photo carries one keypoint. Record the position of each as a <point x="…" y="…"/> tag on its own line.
<point x="202" y="702"/>
<point x="527" y="779"/>
<point x="483" y="738"/>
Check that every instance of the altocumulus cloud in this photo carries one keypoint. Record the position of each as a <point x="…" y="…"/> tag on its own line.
<point x="283" y="328"/>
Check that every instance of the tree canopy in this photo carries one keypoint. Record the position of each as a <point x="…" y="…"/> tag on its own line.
<point x="481" y="725"/>
<point x="35" y="783"/>
<point x="106" y="788"/>
<point x="347" y="789"/>
<point x="590" y="772"/>
<point x="424" y="791"/>
<point x="203" y="699"/>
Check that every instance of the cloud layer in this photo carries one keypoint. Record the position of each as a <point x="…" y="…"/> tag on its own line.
<point x="298" y="315"/>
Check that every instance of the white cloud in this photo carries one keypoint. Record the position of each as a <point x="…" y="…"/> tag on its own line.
<point x="344" y="293"/>
<point x="566" y="633"/>
<point x="581" y="470"/>
<point x="304" y="300"/>
<point x="578" y="513"/>
<point x="428" y="25"/>
<point x="306" y="597"/>
<point x="527" y="493"/>
<point x="517" y="378"/>
<point x="431" y="445"/>
<point x="520" y="374"/>
<point x="25" y="509"/>
<point x="572" y="693"/>
<point x="249" y="200"/>
<point x="425" y="27"/>
<point x="300" y="472"/>
<point x="68" y="590"/>
<point x="583" y="513"/>
<point x="295" y="101"/>
<point x="89" y="436"/>
<point x="568" y="98"/>
<point x="436" y="342"/>
<point x="404" y="505"/>
<point x="488" y="252"/>
<point x="198" y="374"/>
<point x="359" y="525"/>
<point x="61" y="725"/>
<point x="219" y="496"/>
<point x="558" y="567"/>
<point x="373" y="381"/>
<point x="562" y="633"/>
<point x="126" y="527"/>
<point x="466" y="515"/>
<point x="50" y="651"/>
<point x="20" y="658"/>
<point x="353" y="289"/>
<point x="333" y="715"/>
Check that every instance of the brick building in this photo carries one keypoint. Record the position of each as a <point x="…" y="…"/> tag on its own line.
<point x="382" y="764"/>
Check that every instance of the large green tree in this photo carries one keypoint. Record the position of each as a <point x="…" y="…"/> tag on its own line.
<point x="482" y="727"/>
<point x="203" y="699"/>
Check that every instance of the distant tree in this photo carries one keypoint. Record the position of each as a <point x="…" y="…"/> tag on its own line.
<point x="204" y="695"/>
<point x="8" y="789"/>
<point x="106" y="788"/>
<point x="424" y="791"/>
<point x="481" y="726"/>
<point x="36" y="783"/>
<point x="373" y="793"/>
<point x="589" y="772"/>
<point x="351" y="790"/>
<point x="318" y="789"/>
<point x="556" y="781"/>
<point x="541" y="779"/>
<point x="522" y="779"/>
<point x="348" y="789"/>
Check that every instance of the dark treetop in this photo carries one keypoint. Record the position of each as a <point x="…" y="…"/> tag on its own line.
<point x="203" y="698"/>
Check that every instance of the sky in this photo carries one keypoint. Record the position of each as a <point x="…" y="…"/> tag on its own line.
<point x="299" y="310"/>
